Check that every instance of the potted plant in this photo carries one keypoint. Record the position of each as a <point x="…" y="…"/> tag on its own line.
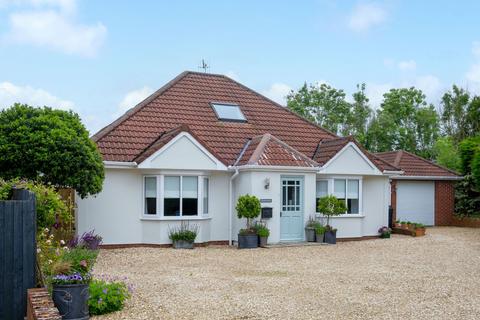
<point x="320" y="233"/>
<point x="262" y="232"/>
<point x="248" y="207"/>
<point x="183" y="237"/>
<point x="398" y="224"/>
<point x="385" y="232"/>
<point x="330" y="206"/>
<point x="405" y="225"/>
<point x="419" y="230"/>
<point x="310" y="229"/>
<point x="70" y="284"/>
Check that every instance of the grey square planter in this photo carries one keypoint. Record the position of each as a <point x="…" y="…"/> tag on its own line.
<point x="247" y="241"/>
<point x="182" y="244"/>
<point x="310" y="234"/>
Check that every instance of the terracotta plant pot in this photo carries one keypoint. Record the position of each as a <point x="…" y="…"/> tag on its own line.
<point x="419" y="232"/>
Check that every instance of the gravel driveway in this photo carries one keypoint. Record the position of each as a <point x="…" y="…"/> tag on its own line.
<point x="433" y="277"/>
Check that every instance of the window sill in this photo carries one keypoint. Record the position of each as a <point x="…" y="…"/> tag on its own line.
<point x="144" y="218"/>
<point x="356" y="215"/>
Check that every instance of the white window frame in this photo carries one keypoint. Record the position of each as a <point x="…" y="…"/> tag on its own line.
<point x="160" y="197"/>
<point x="331" y="181"/>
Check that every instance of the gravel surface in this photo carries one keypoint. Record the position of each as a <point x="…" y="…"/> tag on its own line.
<point x="432" y="277"/>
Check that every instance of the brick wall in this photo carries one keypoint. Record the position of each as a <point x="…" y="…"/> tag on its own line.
<point x="40" y="305"/>
<point x="444" y="202"/>
<point x="393" y="199"/>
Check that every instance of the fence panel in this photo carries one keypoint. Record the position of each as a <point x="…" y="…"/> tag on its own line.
<point x="17" y="253"/>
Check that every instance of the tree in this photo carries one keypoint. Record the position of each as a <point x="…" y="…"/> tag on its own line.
<point x="360" y="115"/>
<point x="321" y="104"/>
<point x="331" y="206"/>
<point x="467" y="191"/>
<point x="404" y="121"/>
<point x="248" y="207"/>
<point x="446" y="153"/>
<point x="50" y="146"/>
<point x="460" y="114"/>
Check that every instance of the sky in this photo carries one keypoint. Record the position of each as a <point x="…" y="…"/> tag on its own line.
<point x="100" y="58"/>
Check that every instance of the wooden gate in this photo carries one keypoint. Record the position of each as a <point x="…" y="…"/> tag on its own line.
<point x="17" y="253"/>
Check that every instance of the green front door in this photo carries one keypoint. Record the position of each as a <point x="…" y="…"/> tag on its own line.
<point x="291" y="214"/>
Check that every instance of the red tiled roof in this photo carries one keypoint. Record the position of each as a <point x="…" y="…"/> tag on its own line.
<point x="186" y="101"/>
<point x="327" y="149"/>
<point x="416" y="166"/>
<point x="267" y="150"/>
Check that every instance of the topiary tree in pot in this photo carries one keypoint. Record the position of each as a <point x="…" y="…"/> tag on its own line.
<point x="248" y="207"/>
<point x="330" y="206"/>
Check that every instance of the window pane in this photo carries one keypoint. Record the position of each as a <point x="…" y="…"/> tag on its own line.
<point x="172" y="187"/>
<point x="189" y="187"/>
<point x="228" y="112"/>
<point x="189" y="207"/>
<point x="352" y="205"/>
<point x="339" y="188"/>
<point x="352" y="189"/>
<point x="322" y="188"/>
<point x="205" y="195"/>
<point x="171" y="207"/>
<point x="150" y="195"/>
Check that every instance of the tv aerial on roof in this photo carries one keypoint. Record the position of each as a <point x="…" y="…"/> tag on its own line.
<point x="204" y="66"/>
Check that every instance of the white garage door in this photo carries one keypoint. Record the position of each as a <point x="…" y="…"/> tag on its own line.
<point x="416" y="201"/>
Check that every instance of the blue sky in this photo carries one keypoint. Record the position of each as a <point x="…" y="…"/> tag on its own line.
<point x="100" y="58"/>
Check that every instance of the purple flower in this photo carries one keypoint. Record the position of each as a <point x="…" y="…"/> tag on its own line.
<point x="105" y="291"/>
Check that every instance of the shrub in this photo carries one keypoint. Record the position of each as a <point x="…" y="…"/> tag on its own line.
<point x="312" y="223"/>
<point x="331" y="206"/>
<point x="261" y="229"/>
<point x="248" y="207"/>
<point x="320" y="229"/>
<point x="106" y="297"/>
<point x="50" y="205"/>
<point x="183" y="232"/>
<point x="88" y="240"/>
<point x="49" y="252"/>
<point x="384" y="230"/>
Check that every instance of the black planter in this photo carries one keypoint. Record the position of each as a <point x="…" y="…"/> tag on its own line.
<point x="71" y="300"/>
<point x="331" y="236"/>
<point x="247" y="241"/>
<point x="310" y="234"/>
<point x="320" y="237"/>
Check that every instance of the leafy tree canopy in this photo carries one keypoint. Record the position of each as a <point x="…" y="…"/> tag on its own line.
<point x="404" y="121"/>
<point x="50" y="146"/>
<point x="446" y="153"/>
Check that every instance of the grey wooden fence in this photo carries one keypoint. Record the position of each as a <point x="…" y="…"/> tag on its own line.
<point x="17" y="253"/>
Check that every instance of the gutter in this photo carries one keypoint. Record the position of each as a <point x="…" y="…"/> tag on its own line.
<point x="391" y="172"/>
<point x="457" y="178"/>
<point x="119" y="164"/>
<point x="230" y="206"/>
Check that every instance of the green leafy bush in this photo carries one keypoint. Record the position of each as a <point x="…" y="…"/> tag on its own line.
<point x="248" y="207"/>
<point x="106" y="297"/>
<point x="261" y="229"/>
<point x="51" y="146"/>
<point x="49" y="203"/>
<point x="320" y="229"/>
<point x="183" y="232"/>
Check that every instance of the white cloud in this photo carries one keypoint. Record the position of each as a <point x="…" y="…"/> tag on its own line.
<point x="375" y="92"/>
<point x="408" y="65"/>
<point x="52" y="24"/>
<point x="430" y="85"/>
<point x="11" y="93"/>
<point x="365" y="16"/>
<point x="132" y="98"/>
<point x="278" y="92"/>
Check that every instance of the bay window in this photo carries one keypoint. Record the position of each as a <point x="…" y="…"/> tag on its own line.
<point x="344" y="189"/>
<point x="175" y="195"/>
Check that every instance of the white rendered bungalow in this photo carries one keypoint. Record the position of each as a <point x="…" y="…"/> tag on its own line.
<point x="192" y="148"/>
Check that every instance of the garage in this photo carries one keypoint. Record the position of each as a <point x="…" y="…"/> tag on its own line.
<point x="424" y="192"/>
<point x="416" y="201"/>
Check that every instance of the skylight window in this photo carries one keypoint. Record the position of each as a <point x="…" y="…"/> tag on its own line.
<point x="228" y="112"/>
